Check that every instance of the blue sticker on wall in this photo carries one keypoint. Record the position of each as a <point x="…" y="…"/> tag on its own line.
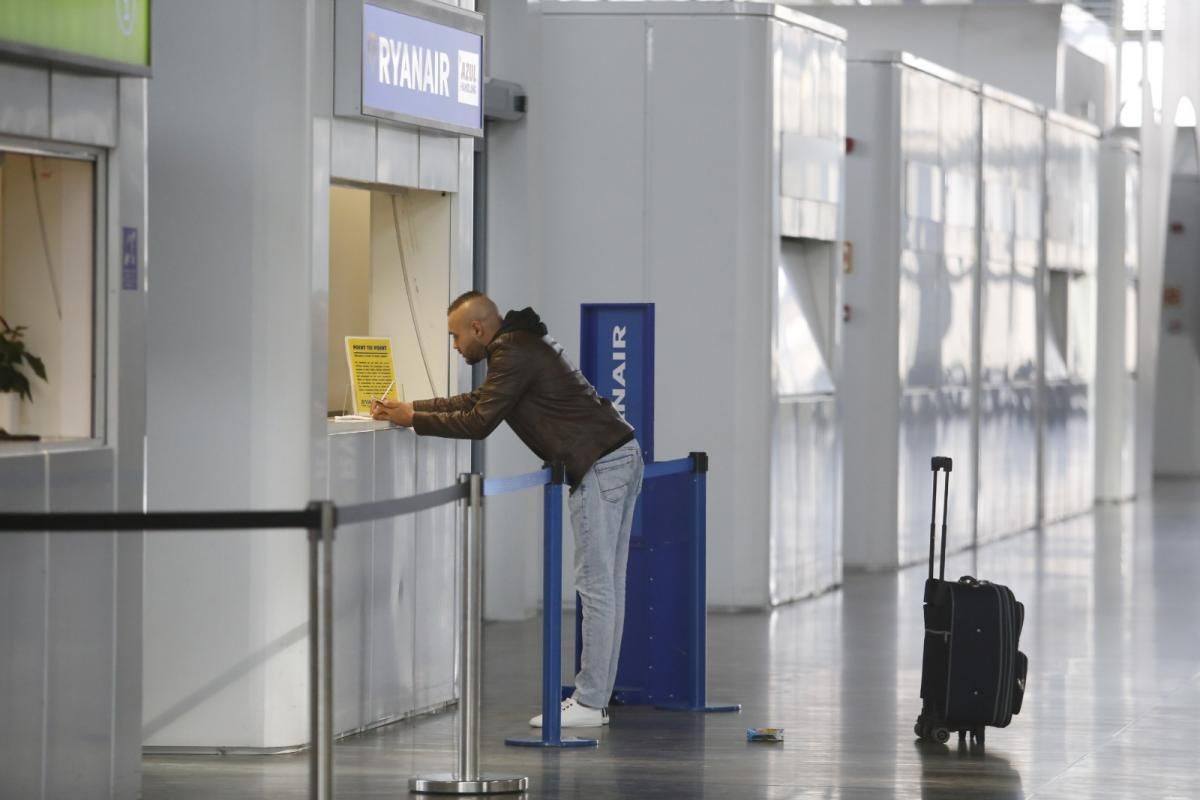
<point x="129" y="259"/>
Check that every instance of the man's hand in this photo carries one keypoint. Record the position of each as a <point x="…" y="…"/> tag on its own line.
<point x="393" y="411"/>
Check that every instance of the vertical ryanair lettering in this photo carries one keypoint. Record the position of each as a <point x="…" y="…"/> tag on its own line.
<point x="618" y="373"/>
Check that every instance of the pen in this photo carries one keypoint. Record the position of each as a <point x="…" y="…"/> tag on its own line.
<point x="383" y="396"/>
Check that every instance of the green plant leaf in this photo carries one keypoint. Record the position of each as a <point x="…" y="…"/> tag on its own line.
<point x="10" y="352"/>
<point x="23" y="387"/>
<point x="38" y="367"/>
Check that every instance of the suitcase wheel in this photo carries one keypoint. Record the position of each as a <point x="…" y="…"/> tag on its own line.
<point x="941" y="735"/>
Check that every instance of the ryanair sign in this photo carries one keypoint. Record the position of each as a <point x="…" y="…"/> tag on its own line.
<point x="420" y="71"/>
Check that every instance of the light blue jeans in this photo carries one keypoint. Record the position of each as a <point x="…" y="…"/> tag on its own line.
<point x="602" y="518"/>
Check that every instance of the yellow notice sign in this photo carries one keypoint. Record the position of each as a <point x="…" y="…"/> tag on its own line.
<point x="372" y="373"/>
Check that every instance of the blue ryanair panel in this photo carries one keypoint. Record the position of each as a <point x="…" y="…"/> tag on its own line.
<point x="617" y="356"/>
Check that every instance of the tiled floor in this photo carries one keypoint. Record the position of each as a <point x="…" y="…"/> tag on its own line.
<point x="1112" y="711"/>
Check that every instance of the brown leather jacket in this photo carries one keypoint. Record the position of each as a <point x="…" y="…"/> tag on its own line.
<point x="542" y="396"/>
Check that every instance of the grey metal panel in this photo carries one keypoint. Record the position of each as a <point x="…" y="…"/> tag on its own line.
<point x="636" y="218"/>
<point x="26" y="107"/>
<point x="805" y="540"/>
<point x="1007" y="461"/>
<point x="436" y="538"/>
<point x="347" y="54"/>
<point x="934" y="422"/>
<point x="958" y="278"/>
<point x="128" y="362"/>
<point x="393" y="592"/>
<point x="786" y="506"/>
<point x="83" y="108"/>
<point x="127" y="725"/>
<point x="1072" y="240"/>
<point x="989" y="499"/>
<point x="699" y="9"/>
<point x="1056" y="453"/>
<point x="1022" y="344"/>
<point x="439" y="162"/>
<point x="810" y="93"/>
<point x="1020" y="467"/>
<point x="1072" y="235"/>
<point x="914" y="62"/>
<point x="870" y="384"/>
<point x="1012" y="180"/>
<point x="955" y="437"/>
<point x="1067" y="450"/>
<point x="352" y="150"/>
<point x="23" y="578"/>
<point x="919" y="412"/>
<point x="809" y="121"/>
<point x="80" y="625"/>
<point x="811" y="167"/>
<point x="398" y="156"/>
<point x="352" y="480"/>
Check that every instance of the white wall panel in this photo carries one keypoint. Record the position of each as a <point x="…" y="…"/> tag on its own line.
<point x="24" y="576"/>
<point x="352" y="480"/>
<point x="393" y="583"/>
<point x="434" y="580"/>
<point x="26" y="91"/>
<point x="1013" y="192"/>
<point x="240" y="142"/>
<point x="80" y="623"/>
<point x="922" y="138"/>
<point x="352" y="150"/>
<point x="1176" y="413"/>
<point x="72" y="619"/>
<point x="83" y="108"/>
<point x="1116" y="313"/>
<point x="1072" y="238"/>
<point x="628" y="216"/>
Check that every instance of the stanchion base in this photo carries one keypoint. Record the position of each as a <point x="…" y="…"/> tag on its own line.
<point x="569" y="741"/>
<point x="711" y="708"/>
<point x="446" y="783"/>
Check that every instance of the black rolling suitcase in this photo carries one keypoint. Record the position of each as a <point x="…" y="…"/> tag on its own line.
<point x="972" y="674"/>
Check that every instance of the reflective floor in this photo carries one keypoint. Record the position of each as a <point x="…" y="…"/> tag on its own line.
<point x="1112" y="710"/>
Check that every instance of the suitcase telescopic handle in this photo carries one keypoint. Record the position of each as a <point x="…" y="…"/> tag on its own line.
<point x="939" y="464"/>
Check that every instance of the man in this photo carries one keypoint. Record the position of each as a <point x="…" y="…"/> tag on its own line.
<point x="555" y="411"/>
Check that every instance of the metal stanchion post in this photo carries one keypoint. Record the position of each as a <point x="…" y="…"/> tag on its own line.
<point x="314" y="667"/>
<point x="326" y="741"/>
<point x="320" y="653"/>
<point x="552" y="624"/>
<point x="467" y="779"/>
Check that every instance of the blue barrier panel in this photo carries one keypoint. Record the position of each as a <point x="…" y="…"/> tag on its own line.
<point x="663" y="655"/>
<point x="665" y="640"/>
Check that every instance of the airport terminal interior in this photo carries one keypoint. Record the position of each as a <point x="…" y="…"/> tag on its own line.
<point x="599" y="399"/>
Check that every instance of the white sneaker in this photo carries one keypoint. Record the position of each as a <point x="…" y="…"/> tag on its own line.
<point x="576" y="715"/>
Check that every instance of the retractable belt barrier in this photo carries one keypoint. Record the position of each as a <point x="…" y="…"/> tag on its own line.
<point x="321" y="519"/>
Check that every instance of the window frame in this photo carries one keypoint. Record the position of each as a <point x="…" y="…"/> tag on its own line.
<point x="104" y="329"/>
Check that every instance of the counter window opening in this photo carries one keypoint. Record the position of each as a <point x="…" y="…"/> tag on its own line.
<point x="389" y="276"/>
<point x="807" y="287"/>
<point x="51" y="284"/>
